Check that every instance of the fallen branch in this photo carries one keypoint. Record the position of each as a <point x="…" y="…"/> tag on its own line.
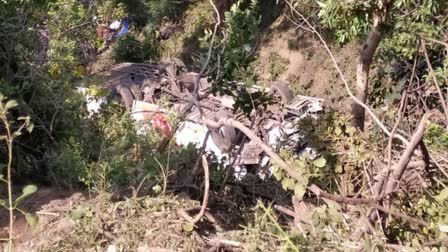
<point x="363" y="201"/>
<point x="218" y="241"/>
<point x="434" y="78"/>
<point x="400" y="167"/>
<point x="390" y="182"/>
<point x="404" y="217"/>
<point x="285" y="210"/>
<point x="201" y="213"/>
<point x="341" y="199"/>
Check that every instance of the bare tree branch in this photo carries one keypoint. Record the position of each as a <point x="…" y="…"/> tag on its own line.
<point x="436" y="83"/>
<point x="389" y="184"/>
<point x="363" y="201"/>
<point x="202" y="211"/>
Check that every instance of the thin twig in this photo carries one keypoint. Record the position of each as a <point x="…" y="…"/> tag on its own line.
<point x="363" y="201"/>
<point x="195" y="95"/>
<point x="396" y="173"/>
<point x="219" y="241"/>
<point x="206" y="193"/>
<point x="201" y="152"/>
<point x="47" y="213"/>
<point x="438" y="166"/>
<point x="394" y="129"/>
<point x="434" y="78"/>
<point x="285" y="210"/>
<point x="341" y="199"/>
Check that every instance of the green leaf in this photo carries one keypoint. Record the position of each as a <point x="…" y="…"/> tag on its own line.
<point x="2" y="97"/>
<point x="30" y="128"/>
<point x="288" y="183"/>
<point x="339" y="168"/>
<point x="278" y="174"/>
<point x="338" y="131"/>
<point x="299" y="191"/>
<point x="16" y="134"/>
<point x="78" y="213"/>
<point x="157" y="188"/>
<point x="31" y="219"/>
<point x="321" y="4"/>
<point x="320" y="162"/>
<point x="2" y="202"/>
<point x="28" y="190"/>
<point x="187" y="227"/>
<point x="2" y="138"/>
<point x="350" y="130"/>
<point x="443" y="195"/>
<point x="24" y="118"/>
<point x="11" y="104"/>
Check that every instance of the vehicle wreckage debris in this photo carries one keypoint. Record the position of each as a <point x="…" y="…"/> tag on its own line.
<point x="274" y="128"/>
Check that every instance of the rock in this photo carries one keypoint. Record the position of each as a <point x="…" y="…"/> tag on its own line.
<point x="111" y="248"/>
<point x="148" y="249"/>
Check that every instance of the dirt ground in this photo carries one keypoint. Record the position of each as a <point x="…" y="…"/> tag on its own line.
<point x="72" y="220"/>
<point x="290" y="54"/>
<point x="51" y="205"/>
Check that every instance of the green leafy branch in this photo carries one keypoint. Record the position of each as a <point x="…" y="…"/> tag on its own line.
<point x="8" y="136"/>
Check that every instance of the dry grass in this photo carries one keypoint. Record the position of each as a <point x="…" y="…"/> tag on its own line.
<point x="152" y="223"/>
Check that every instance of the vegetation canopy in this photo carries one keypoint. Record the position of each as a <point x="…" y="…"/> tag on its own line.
<point x="288" y="125"/>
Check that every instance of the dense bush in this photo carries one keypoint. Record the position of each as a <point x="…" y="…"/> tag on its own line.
<point x="128" y="49"/>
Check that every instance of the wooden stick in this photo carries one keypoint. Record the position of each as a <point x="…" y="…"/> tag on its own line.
<point x="363" y="201"/>
<point x="341" y="199"/>
<point x="206" y="194"/>
<point x="397" y="172"/>
<point x="400" y="167"/>
<point x="434" y="78"/>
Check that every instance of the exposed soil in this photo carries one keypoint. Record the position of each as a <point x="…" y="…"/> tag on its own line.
<point x="306" y="64"/>
<point x="147" y="223"/>
<point x="51" y="205"/>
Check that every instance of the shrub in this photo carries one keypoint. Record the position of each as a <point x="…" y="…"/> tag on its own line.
<point x="159" y="9"/>
<point x="128" y="49"/>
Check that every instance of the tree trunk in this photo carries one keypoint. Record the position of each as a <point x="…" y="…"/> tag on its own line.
<point x="362" y="74"/>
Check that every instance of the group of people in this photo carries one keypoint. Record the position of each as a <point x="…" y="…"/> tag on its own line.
<point x="109" y="31"/>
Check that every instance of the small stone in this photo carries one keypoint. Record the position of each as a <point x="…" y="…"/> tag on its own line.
<point x="111" y="248"/>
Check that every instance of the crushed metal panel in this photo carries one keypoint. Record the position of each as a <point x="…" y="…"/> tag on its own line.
<point x="135" y="68"/>
<point x="143" y="110"/>
<point x="297" y="103"/>
<point x="251" y="153"/>
<point x="195" y="115"/>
